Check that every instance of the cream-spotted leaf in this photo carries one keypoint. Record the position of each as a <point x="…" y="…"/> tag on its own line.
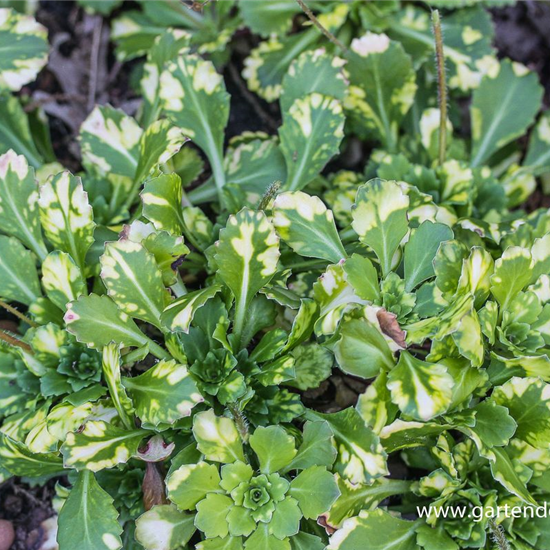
<point x="246" y="254"/>
<point x="66" y="216"/>
<point x="360" y="456"/>
<point x="512" y="273"/>
<point x="217" y="437"/>
<point x="380" y="218"/>
<point x="382" y="86"/>
<point x="421" y="390"/>
<point x="310" y="135"/>
<point x="17" y="272"/>
<point x="177" y="317"/>
<point x="274" y="448"/>
<point x="111" y="363"/>
<point x="307" y="226"/>
<point x="62" y="279"/>
<point x="89" y="519"/>
<point x="162" y="204"/>
<point x="164" y="527"/>
<point x="24" y="47"/>
<point x="528" y="402"/>
<point x="19" y="203"/>
<point x="163" y="394"/>
<point x="503" y="107"/>
<point x="133" y="280"/>
<point x="538" y="152"/>
<point x="193" y="97"/>
<point x="382" y="530"/>
<point x="98" y="445"/>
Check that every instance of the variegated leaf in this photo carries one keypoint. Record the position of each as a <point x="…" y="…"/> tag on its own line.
<point x="24" y="47"/>
<point x="62" y="279"/>
<point x="99" y="445"/>
<point x="88" y="519"/>
<point x="162" y="204"/>
<point x="217" y="437"/>
<point x="163" y="394"/>
<point x="18" y="203"/>
<point x="512" y="273"/>
<point x="310" y="136"/>
<point x="178" y="315"/>
<point x="306" y="225"/>
<point x="194" y="98"/>
<point x="17" y="272"/>
<point x="313" y="71"/>
<point x="503" y="107"/>
<point x="421" y="390"/>
<point x="177" y="528"/>
<point x="133" y="280"/>
<point x="246" y="255"/>
<point x="97" y="321"/>
<point x="538" y="153"/>
<point x="380" y="218"/>
<point x="111" y="374"/>
<point x="382" y="86"/>
<point x="66" y="216"/>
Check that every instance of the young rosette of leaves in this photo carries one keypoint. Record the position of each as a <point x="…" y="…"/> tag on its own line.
<point x="237" y="505"/>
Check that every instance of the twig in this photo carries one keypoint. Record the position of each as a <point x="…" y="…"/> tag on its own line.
<point x="13" y="341"/>
<point x="18" y="314"/>
<point x="441" y="85"/>
<point x="240" y="421"/>
<point x="94" y="62"/>
<point x="269" y="194"/>
<point x="318" y="24"/>
<point x="251" y="98"/>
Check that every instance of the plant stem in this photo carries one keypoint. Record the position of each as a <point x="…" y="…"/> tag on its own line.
<point x="498" y="536"/>
<point x="13" y="341"/>
<point x="18" y="314"/>
<point x="441" y="85"/>
<point x="158" y="351"/>
<point x="318" y="24"/>
<point x="270" y="193"/>
<point x="240" y="421"/>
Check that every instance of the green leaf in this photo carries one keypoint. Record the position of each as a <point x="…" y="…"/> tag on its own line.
<point x="312" y="365"/>
<point x="164" y="527"/>
<point x="512" y="273"/>
<point x="97" y="321"/>
<point x="316" y="449"/>
<point x="380" y="218"/>
<point x="313" y="71"/>
<point x="266" y="19"/>
<point x="315" y="489"/>
<point x="194" y="98"/>
<point x="246" y="255"/>
<point x="217" y="437"/>
<point x="212" y="513"/>
<point x="420" y="252"/>
<point x="421" y="390"/>
<point x="361" y="349"/>
<point x="494" y="426"/>
<point x="305" y="224"/>
<point x="163" y="394"/>
<point x="24" y="47"/>
<point x="66" y="216"/>
<point x="190" y="483"/>
<point x="18" y="203"/>
<point x="15" y="131"/>
<point x="286" y="519"/>
<point x="382" y="530"/>
<point x="62" y="279"/>
<point x="177" y="317"/>
<point x="133" y="280"/>
<point x="362" y="276"/>
<point x="538" y="152"/>
<point x="228" y="543"/>
<point x="528" y="402"/>
<point x="310" y="136"/>
<point x="19" y="460"/>
<point x="17" y="272"/>
<point x="360" y="456"/>
<point x="436" y="538"/>
<point x="99" y="445"/>
<point x="274" y="447"/>
<point x="88" y="519"/>
<point x="382" y="86"/>
<point x="503" y="107"/>
<point x="304" y="541"/>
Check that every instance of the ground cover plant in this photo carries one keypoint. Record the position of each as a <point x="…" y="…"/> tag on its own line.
<point x="186" y="303"/>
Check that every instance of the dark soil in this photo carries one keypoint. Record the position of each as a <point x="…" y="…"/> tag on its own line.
<point x="68" y="90"/>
